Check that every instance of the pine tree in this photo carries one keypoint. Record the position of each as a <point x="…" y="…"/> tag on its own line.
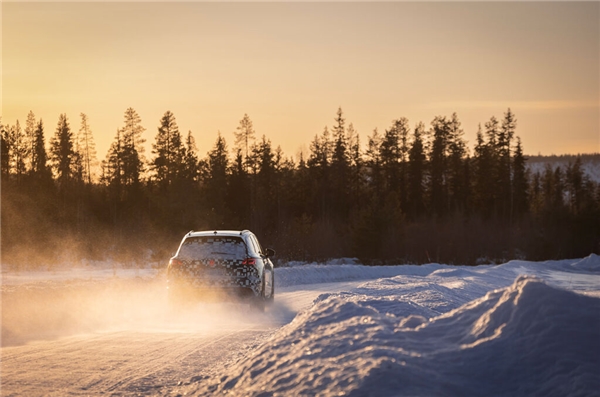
<point x="131" y="153"/>
<point x="5" y="151"/>
<point x="19" y="150"/>
<point x="553" y="192"/>
<point x="394" y="153"/>
<point x="373" y="163"/>
<point x="237" y="192"/>
<point x="132" y="165"/>
<point x="244" y="137"/>
<point x="485" y="170"/>
<point x="132" y="133"/>
<point x="319" y="163"/>
<point x="320" y="151"/>
<point x="339" y="129"/>
<point x="265" y="185"/>
<point x="390" y="158"/>
<point x="458" y="185"/>
<point x="39" y="157"/>
<point x="216" y="183"/>
<point x="168" y="151"/>
<point x="520" y="199"/>
<point x="575" y="182"/>
<point x="438" y="165"/>
<point x="356" y="165"/>
<point x="536" y="198"/>
<point x="61" y="151"/>
<point x="340" y="167"/>
<point x="416" y="173"/>
<point x="112" y="167"/>
<point x="30" y="126"/>
<point x="86" y="149"/>
<point x="503" y="150"/>
<point x="190" y="159"/>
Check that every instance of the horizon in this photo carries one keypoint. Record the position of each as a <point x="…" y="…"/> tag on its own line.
<point x="289" y="66"/>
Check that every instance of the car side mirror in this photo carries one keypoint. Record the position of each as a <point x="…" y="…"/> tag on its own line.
<point x="269" y="252"/>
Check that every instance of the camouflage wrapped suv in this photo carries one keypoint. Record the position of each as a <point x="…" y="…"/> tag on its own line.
<point x="213" y="262"/>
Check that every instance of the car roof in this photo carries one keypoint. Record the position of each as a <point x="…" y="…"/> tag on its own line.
<point x="228" y="233"/>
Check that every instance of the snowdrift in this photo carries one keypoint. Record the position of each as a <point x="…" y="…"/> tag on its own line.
<point x="525" y="339"/>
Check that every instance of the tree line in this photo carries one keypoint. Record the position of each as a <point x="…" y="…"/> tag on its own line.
<point x="410" y="195"/>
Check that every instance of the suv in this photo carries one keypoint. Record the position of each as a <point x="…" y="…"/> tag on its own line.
<point x="221" y="261"/>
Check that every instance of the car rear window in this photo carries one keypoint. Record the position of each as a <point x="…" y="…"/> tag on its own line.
<point x="217" y="247"/>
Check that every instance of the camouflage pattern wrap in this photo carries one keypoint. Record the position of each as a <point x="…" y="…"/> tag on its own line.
<point x="220" y="265"/>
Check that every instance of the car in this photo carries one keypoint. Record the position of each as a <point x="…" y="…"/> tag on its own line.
<point x="220" y="263"/>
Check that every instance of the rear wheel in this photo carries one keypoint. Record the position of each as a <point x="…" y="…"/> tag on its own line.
<point x="271" y="297"/>
<point x="258" y="302"/>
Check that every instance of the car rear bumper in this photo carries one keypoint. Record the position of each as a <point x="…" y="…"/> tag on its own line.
<point x="216" y="288"/>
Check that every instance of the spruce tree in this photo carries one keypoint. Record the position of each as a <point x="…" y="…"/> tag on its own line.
<point x="320" y="151"/>
<point x="112" y="167"/>
<point x="416" y="174"/>
<point x="238" y="189"/>
<point x="575" y="181"/>
<point x="438" y="165"/>
<point x="390" y="158"/>
<point x="19" y="150"/>
<point x="340" y="167"/>
<point x="61" y="152"/>
<point x="373" y="164"/>
<point x="458" y="185"/>
<point x="168" y="151"/>
<point x="216" y="183"/>
<point x="190" y="159"/>
<point x="520" y="199"/>
<point x="132" y="133"/>
<point x="356" y="165"/>
<point x="503" y="151"/>
<point x="132" y="148"/>
<point x="265" y="185"/>
<point x="39" y="157"/>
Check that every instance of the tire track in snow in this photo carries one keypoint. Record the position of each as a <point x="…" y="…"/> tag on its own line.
<point x="123" y="363"/>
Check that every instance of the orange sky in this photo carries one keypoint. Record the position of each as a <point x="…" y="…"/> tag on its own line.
<point x="291" y="65"/>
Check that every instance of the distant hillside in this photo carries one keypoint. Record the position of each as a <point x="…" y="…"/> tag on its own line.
<point x="590" y="163"/>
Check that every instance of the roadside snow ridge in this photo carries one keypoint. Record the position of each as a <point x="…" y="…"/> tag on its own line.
<point x="528" y="338"/>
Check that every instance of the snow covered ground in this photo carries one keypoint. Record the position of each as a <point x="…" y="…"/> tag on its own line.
<point x="517" y="329"/>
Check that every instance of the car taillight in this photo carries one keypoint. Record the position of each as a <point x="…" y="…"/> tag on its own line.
<point x="249" y="261"/>
<point x="175" y="262"/>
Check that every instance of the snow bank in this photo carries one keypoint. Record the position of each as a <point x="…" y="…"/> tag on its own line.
<point x="329" y="273"/>
<point x="434" y="330"/>
<point x="590" y="264"/>
<point x="496" y="276"/>
<point x="528" y="338"/>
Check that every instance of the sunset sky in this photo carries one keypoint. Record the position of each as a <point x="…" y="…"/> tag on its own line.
<point x="289" y="66"/>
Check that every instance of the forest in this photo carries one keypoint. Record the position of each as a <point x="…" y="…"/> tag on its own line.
<point x="404" y="195"/>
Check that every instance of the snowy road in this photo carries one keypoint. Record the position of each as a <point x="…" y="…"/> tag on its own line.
<point x="147" y="356"/>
